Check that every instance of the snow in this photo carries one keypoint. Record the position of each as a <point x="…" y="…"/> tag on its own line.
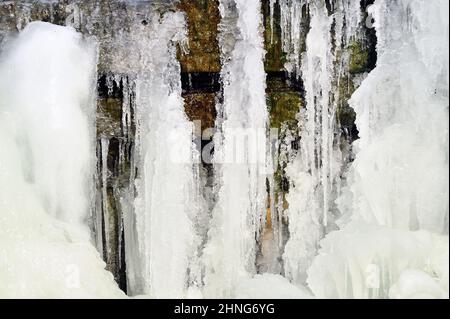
<point x="366" y="261"/>
<point x="415" y="284"/>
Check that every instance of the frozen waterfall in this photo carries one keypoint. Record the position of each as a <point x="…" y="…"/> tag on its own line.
<point x="224" y="149"/>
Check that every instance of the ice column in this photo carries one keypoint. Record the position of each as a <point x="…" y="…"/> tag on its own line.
<point x="240" y="158"/>
<point x="160" y="239"/>
<point x="311" y="173"/>
<point x="321" y="61"/>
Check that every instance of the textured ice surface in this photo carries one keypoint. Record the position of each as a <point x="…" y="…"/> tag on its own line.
<point x="400" y="175"/>
<point x="366" y="261"/>
<point x="161" y="249"/>
<point x="397" y="199"/>
<point x="46" y="148"/>
<point x="230" y="253"/>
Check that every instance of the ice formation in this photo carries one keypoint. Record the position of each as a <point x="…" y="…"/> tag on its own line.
<point x="161" y="250"/>
<point x="397" y="198"/>
<point x="46" y="160"/>
<point x="316" y="171"/>
<point x="371" y="261"/>
<point x="240" y="150"/>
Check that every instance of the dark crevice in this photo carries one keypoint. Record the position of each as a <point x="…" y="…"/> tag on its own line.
<point x="200" y="82"/>
<point x="371" y="39"/>
<point x="103" y="90"/>
<point x="288" y="82"/>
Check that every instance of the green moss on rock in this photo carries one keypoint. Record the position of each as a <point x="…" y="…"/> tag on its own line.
<point x="203" y="17"/>
<point x="284" y="107"/>
<point x="275" y="57"/>
<point x="359" y="58"/>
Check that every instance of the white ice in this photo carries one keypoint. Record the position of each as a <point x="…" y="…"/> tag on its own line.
<point x="46" y="145"/>
<point x="240" y="168"/>
<point x="160" y="240"/>
<point x="395" y="228"/>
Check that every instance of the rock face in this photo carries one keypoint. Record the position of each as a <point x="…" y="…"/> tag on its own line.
<point x="203" y="18"/>
<point x="110" y="21"/>
<point x="201" y="65"/>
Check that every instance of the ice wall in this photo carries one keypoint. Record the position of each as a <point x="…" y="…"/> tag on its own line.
<point x="393" y="240"/>
<point x="397" y="199"/>
<point x="240" y="147"/>
<point x="46" y="167"/>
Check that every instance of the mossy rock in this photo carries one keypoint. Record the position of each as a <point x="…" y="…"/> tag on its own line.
<point x="359" y="59"/>
<point x="201" y="107"/>
<point x="203" y="17"/>
<point x="284" y="107"/>
<point x="275" y="57"/>
<point x="346" y="116"/>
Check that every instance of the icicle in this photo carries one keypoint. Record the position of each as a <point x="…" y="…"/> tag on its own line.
<point x="272" y="18"/>
<point x="104" y="144"/>
<point x="353" y="16"/>
<point x="315" y="174"/>
<point x="292" y="32"/>
<point x="74" y="15"/>
<point x="98" y="211"/>
<point x="126" y="109"/>
<point x="110" y="84"/>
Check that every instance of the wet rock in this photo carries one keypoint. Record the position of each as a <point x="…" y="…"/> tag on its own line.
<point x="275" y="57"/>
<point x="109" y="114"/>
<point x="201" y="107"/>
